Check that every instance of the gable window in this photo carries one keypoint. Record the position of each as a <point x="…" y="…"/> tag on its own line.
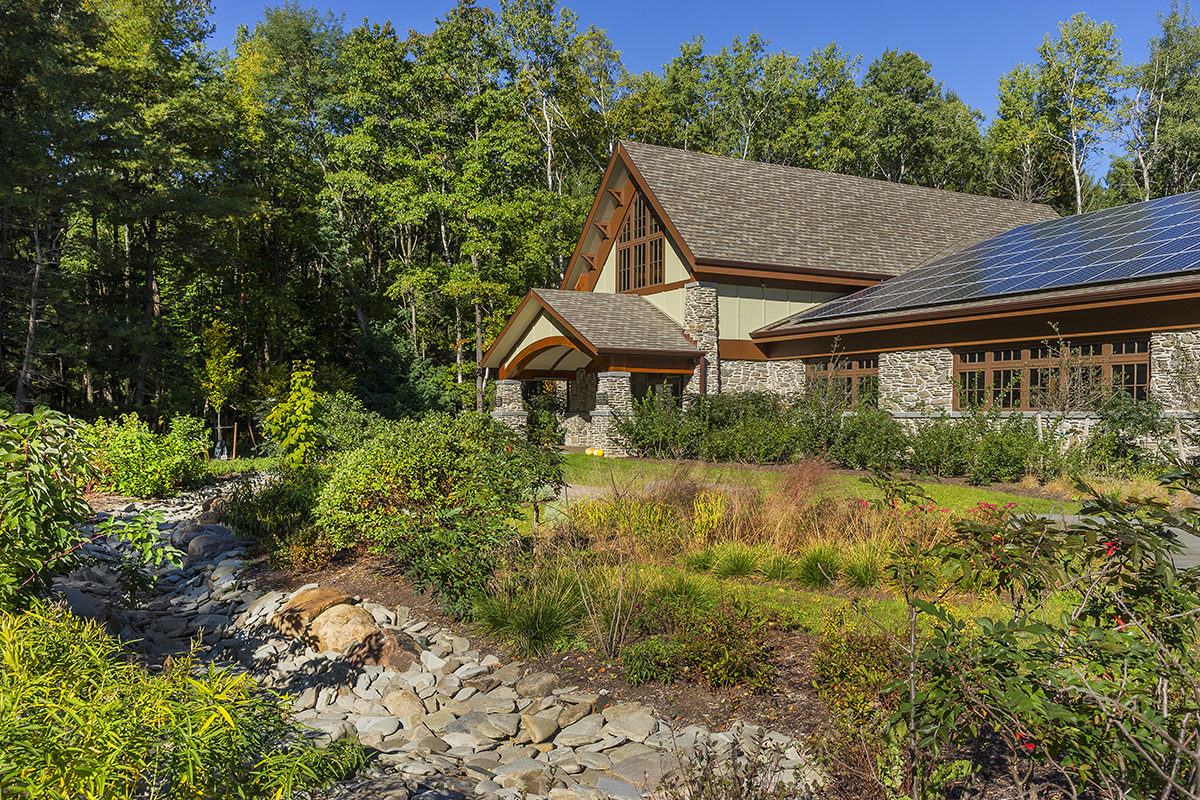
<point x="641" y="247"/>
<point x="846" y="383"/>
<point x="1049" y="378"/>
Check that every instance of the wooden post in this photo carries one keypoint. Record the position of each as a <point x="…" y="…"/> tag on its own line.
<point x="235" y="439"/>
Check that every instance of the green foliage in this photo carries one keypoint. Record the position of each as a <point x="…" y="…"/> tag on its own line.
<point x="735" y="561"/>
<point x="275" y="513"/>
<point x="818" y="565"/>
<point x="293" y="422"/>
<point x="657" y="658"/>
<point x="129" y="458"/>
<point x="856" y="672"/>
<point x="46" y="464"/>
<point x="221" y="375"/>
<point x="442" y="493"/>
<point x="1117" y="441"/>
<point x="871" y="437"/>
<point x="722" y="646"/>
<point x="73" y="702"/>
<point x="344" y="423"/>
<point x="1094" y="694"/>
<point x="535" y="616"/>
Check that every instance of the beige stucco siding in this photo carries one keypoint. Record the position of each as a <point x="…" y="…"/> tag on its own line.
<point x="541" y="328"/>
<point x="742" y="309"/>
<point x="670" y="303"/>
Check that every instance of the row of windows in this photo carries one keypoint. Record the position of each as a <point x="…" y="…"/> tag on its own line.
<point x="1043" y="377"/>
<point x="1038" y="377"/>
<point x="640" y="248"/>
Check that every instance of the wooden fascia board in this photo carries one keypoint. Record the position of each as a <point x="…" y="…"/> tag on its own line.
<point x="625" y="195"/>
<point x="518" y="362"/>
<point x="755" y="274"/>
<point x="1111" y="299"/>
<point x="512" y="320"/>
<point x="847" y="277"/>
<point x="568" y="278"/>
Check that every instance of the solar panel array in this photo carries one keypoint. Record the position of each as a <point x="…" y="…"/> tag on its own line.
<point x="1141" y="240"/>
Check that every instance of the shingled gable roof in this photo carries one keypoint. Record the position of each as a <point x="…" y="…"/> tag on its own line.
<point x="602" y="324"/>
<point x="617" y="323"/>
<point x="734" y="212"/>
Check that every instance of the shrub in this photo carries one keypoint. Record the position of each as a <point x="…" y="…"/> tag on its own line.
<point x="132" y="460"/>
<point x="45" y="463"/>
<point x="82" y="719"/>
<point x="653" y="659"/>
<point x="292" y="423"/>
<point x="870" y="437"/>
<point x="273" y="514"/>
<point x="939" y="446"/>
<point x="722" y="646"/>
<point x="343" y="423"/>
<point x="1006" y="449"/>
<point x="439" y="492"/>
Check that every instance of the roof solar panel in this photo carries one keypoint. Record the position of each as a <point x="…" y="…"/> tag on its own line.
<point x="1140" y="240"/>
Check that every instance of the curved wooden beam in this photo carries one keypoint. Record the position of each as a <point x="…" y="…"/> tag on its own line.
<point x="517" y="364"/>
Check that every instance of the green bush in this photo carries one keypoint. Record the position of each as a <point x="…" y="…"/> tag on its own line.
<point x="343" y="423"/>
<point x="275" y="513"/>
<point x="818" y="565"/>
<point x="292" y="423"/>
<point x="45" y="466"/>
<point x="441" y="493"/>
<point x="722" y="646"/>
<point x="133" y="460"/>
<point x="78" y="718"/>
<point x="870" y="437"/>
<point x="1006" y="449"/>
<point x="939" y="446"/>
<point x="655" y="659"/>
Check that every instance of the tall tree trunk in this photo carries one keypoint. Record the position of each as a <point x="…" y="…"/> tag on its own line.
<point x="24" y="376"/>
<point x="458" y="340"/>
<point x="479" y="371"/>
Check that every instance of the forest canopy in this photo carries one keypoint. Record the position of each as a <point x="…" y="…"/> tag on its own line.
<point x="181" y="225"/>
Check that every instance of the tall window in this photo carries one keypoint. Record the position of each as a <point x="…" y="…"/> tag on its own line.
<point x="848" y="382"/>
<point x="640" y="248"/>
<point x="1032" y="378"/>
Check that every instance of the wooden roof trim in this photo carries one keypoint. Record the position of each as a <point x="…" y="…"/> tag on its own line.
<point x="589" y="280"/>
<point x="512" y="319"/>
<point x="1123" y="296"/>
<point x="591" y="217"/>
<point x="780" y="274"/>
<point x="849" y="275"/>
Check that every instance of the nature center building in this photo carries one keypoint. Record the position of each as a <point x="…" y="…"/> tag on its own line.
<point x="705" y="274"/>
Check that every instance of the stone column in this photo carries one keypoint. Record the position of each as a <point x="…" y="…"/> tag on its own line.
<point x="1175" y="369"/>
<point x="614" y="398"/>
<point x="912" y="380"/>
<point x="700" y="323"/>
<point x="510" y="405"/>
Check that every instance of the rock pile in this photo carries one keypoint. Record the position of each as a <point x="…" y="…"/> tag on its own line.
<point x="445" y="720"/>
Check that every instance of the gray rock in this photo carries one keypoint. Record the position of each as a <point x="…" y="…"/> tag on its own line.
<point x="541" y="729"/>
<point x="377" y="726"/>
<point x="585" y="731"/>
<point x="620" y="790"/>
<point x="537" y="684"/>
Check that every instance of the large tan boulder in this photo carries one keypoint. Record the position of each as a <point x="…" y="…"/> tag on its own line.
<point x="297" y="615"/>
<point x="340" y="627"/>
<point x="386" y="647"/>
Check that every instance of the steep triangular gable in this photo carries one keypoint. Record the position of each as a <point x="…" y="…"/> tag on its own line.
<point x="623" y="190"/>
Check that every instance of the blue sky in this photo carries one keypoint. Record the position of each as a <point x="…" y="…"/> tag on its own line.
<point x="969" y="43"/>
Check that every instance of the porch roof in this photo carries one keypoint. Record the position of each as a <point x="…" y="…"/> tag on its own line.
<point x="556" y="331"/>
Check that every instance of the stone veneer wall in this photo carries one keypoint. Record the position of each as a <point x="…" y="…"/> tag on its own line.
<point x="612" y="395"/>
<point x="700" y="323"/>
<point x="739" y="375"/>
<point x="1175" y="369"/>
<point x="510" y="406"/>
<point x="582" y="392"/>
<point x="916" y="379"/>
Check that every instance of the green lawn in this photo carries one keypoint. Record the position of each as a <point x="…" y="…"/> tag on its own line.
<point x="634" y="474"/>
<point x="234" y="466"/>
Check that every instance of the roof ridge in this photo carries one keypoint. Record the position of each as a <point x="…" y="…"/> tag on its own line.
<point x="893" y="185"/>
